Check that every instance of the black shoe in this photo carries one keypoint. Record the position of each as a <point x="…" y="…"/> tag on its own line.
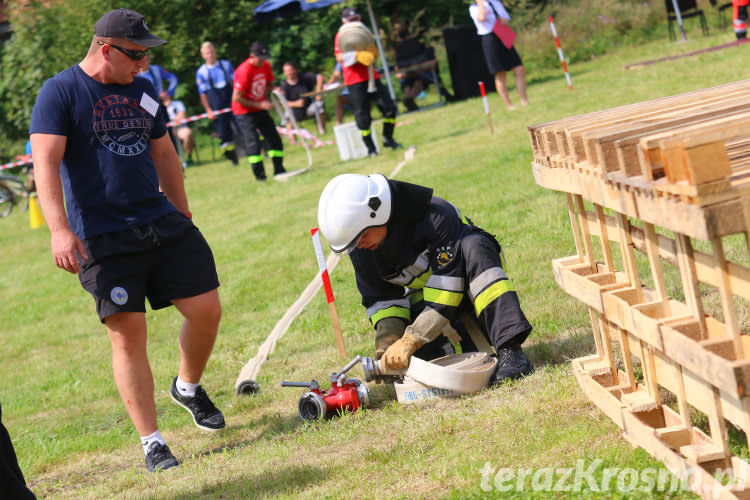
<point x="390" y="143"/>
<point x="259" y="171"/>
<point x="160" y="458"/>
<point x="277" y="171"/>
<point x="205" y="415"/>
<point x="410" y="104"/>
<point x="231" y="155"/>
<point x="512" y="364"/>
<point x="372" y="153"/>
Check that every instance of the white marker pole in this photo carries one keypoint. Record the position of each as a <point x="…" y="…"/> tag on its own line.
<point x="329" y="291"/>
<point x="486" y="106"/>
<point x="560" y="52"/>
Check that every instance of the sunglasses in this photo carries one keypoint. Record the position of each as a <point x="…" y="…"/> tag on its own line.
<point x="135" y="55"/>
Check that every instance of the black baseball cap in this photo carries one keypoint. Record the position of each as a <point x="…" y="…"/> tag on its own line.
<point x="259" y="49"/>
<point x="348" y="13"/>
<point x="126" y="23"/>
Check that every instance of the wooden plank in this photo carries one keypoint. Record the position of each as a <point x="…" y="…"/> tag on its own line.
<point x="705" y="163"/>
<point x="631" y="268"/>
<point x="639" y="401"/>
<point x="583" y="223"/>
<point x="597" y="394"/>
<point x="702" y="452"/>
<point x="574" y="226"/>
<point x="597" y="335"/>
<point x="727" y="300"/>
<point x="604" y="237"/>
<point x="676" y="436"/>
<point x="607" y="345"/>
<point x="689" y="281"/>
<point x="681" y="346"/>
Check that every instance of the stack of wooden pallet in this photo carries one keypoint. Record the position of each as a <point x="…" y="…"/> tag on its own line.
<point x="653" y="177"/>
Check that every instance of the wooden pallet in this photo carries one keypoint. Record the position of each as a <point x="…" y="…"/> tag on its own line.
<point x="667" y="171"/>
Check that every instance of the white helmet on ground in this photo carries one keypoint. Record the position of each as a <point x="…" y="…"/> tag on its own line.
<point x="350" y="204"/>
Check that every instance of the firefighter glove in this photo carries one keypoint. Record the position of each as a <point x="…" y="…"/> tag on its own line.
<point x="397" y="356"/>
<point x="366" y="57"/>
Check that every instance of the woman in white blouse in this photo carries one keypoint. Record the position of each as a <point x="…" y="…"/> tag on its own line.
<point x="499" y="58"/>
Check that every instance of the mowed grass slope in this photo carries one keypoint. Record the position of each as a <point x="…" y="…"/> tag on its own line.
<point x="70" y="429"/>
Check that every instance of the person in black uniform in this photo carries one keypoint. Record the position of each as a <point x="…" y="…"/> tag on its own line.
<point x="11" y="477"/>
<point x="421" y="266"/>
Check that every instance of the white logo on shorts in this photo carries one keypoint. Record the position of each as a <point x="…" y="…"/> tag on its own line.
<point x="119" y="295"/>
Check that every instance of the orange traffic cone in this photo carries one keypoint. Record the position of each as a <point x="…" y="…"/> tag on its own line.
<point x="36" y="219"/>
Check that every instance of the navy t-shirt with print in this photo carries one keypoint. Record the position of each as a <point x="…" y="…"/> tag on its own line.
<point x="108" y="175"/>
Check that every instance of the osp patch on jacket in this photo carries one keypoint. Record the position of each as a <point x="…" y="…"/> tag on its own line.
<point x="444" y="255"/>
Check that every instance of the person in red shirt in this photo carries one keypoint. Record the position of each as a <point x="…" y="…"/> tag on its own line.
<point x="356" y="78"/>
<point x="250" y="107"/>
<point x="739" y="18"/>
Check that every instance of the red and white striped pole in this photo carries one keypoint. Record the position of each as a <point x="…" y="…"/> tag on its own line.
<point x="560" y="52"/>
<point x="329" y="291"/>
<point x="486" y="106"/>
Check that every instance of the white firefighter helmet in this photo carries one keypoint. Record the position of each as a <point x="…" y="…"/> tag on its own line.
<point x="350" y="204"/>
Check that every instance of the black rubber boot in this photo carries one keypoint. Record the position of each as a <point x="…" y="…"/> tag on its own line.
<point x="371" y="150"/>
<point x="278" y="166"/>
<point x="259" y="171"/>
<point x="231" y="155"/>
<point x="388" y="140"/>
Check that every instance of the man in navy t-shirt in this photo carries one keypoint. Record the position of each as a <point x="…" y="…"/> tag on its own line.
<point x="97" y="137"/>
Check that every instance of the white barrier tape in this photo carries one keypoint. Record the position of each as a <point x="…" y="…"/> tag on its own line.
<point x="302" y="132"/>
<point x="305" y="134"/>
<point x="17" y="163"/>
<point x="193" y="118"/>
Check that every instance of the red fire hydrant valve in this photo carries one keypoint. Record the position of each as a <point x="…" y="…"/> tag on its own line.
<point x="344" y="395"/>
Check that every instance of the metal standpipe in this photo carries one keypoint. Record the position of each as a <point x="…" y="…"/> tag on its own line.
<point x="339" y="376"/>
<point x="678" y="14"/>
<point x="383" y="60"/>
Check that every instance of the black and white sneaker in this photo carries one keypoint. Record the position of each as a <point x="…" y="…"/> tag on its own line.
<point x="512" y="364"/>
<point x="205" y="415"/>
<point x="159" y="457"/>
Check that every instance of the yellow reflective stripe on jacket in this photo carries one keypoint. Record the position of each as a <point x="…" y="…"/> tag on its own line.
<point x="491" y="293"/>
<point x="420" y="281"/>
<point x="255" y="158"/>
<point x="275" y="153"/>
<point x="365" y="132"/>
<point x="436" y="296"/>
<point x="391" y="312"/>
<point x="416" y="296"/>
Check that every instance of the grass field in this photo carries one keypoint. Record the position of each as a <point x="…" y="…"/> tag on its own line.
<point x="70" y="429"/>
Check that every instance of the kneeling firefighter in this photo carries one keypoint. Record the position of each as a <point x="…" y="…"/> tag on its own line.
<point x="420" y="266"/>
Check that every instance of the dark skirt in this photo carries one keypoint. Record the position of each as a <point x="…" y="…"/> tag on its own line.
<point x="497" y="55"/>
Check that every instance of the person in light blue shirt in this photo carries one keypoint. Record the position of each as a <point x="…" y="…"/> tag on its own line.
<point x="214" y="80"/>
<point x="158" y="76"/>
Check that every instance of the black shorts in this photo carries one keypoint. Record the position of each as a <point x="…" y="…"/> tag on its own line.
<point x="497" y="55"/>
<point x="163" y="260"/>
